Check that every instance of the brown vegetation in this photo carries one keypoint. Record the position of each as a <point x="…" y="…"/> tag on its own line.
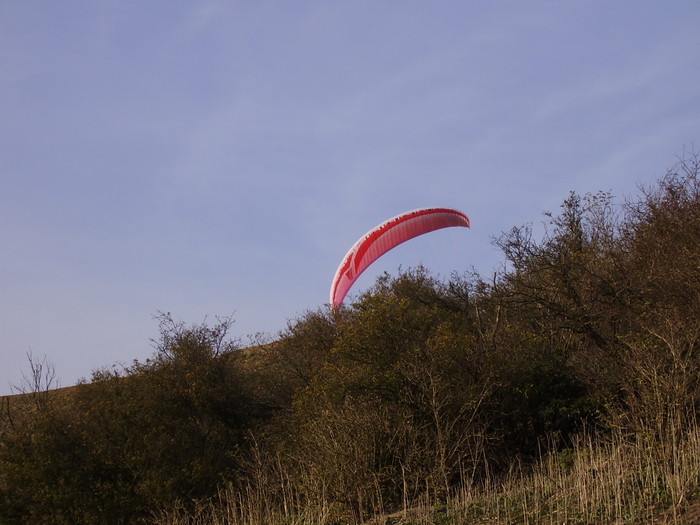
<point x="564" y="389"/>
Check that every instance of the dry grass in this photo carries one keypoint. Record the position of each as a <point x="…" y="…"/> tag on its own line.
<point x="616" y="480"/>
<point x="624" y="480"/>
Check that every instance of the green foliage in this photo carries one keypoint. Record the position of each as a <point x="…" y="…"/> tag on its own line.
<point x="419" y="390"/>
<point x="165" y="431"/>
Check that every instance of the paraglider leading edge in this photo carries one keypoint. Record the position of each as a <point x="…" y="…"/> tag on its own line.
<point x="385" y="237"/>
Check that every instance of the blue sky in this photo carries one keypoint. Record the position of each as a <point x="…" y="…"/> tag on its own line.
<point x="220" y="157"/>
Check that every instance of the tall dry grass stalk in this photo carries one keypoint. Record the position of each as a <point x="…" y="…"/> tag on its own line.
<point x="615" y="479"/>
<point x="619" y="479"/>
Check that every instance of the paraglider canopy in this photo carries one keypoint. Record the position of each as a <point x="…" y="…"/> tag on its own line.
<point x="385" y="237"/>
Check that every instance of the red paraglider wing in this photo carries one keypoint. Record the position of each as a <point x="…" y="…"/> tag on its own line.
<point x="386" y="236"/>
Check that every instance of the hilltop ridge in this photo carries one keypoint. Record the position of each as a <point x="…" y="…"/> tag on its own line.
<point x="563" y="388"/>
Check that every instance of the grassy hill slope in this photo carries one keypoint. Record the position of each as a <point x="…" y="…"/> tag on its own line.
<point x="564" y="389"/>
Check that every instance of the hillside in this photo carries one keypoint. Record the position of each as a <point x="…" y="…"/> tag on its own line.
<point x="563" y="389"/>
